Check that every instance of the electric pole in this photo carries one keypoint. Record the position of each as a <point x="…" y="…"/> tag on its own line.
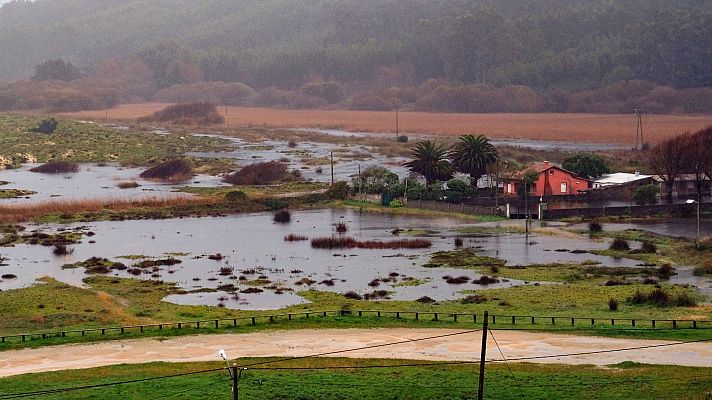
<point x="639" y="129"/>
<point x="397" y="105"/>
<point x="332" y="168"/>
<point x="235" y="380"/>
<point x="483" y="356"/>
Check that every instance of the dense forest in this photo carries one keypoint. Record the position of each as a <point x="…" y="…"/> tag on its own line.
<point x="543" y="55"/>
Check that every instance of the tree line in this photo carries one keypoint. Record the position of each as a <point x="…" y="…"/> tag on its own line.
<point x="523" y="55"/>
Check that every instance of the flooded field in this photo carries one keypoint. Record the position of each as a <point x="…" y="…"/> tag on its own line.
<point x="256" y="258"/>
<point x="312" y="159"/>
<point x="92" y="181"/>
<point x="673" y="227"/>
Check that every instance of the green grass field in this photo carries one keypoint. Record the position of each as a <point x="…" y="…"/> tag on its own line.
<point x="623" y="381"/>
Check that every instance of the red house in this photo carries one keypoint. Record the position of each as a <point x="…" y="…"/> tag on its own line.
<point x="553" y="181"/>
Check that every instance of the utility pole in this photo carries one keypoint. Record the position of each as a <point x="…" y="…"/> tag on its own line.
<point x="405" y="191"/>
<point x="226" y="114"/>
<point x="639" y="129"/>
<point x="483" y="356"/>
<point x="332" y="168"/>
<point x="397" y="126"/>
<point x="235" y="379"/>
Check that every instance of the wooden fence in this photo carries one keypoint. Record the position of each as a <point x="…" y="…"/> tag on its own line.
<point x="503" y="320"/>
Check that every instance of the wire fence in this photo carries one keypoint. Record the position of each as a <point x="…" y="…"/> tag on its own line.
<point x="495" y="321"/>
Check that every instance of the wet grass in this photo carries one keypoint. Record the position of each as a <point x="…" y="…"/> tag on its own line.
<point x="531" y="381"/>
<point x="15" y="193"/>
<point x="84" y="142"/>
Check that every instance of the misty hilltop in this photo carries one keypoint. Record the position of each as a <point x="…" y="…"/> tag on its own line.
<point x="542" y="45"/>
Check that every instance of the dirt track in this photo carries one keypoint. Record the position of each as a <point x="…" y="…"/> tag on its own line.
<point x="464" y="347"/>
<point x="599" y="128"/>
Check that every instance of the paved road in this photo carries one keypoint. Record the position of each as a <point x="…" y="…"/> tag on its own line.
<point x="465" y="347"/>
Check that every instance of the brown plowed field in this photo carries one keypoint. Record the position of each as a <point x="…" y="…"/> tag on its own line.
<point x="599" y="128"/>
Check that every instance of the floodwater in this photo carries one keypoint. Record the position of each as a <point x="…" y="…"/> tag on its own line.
<point x="254" y="241"/>
<point x="347" y="158"/>
<point x="673" y="227"/>
<point x="523" y="143"/>
<point x="92" y="181"/>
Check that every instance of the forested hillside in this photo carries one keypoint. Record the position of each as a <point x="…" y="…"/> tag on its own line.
<point x="544" y="45"/>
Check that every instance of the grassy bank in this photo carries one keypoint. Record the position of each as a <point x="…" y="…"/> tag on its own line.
<point x="107" y="301"/>
<point x="89" y="142"/>
<point x="621" y="381"/>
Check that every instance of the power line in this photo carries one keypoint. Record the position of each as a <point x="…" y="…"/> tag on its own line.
<point x="516" y="382"/>
<point x="101" y="385"/>
<point x="359" y="348"/>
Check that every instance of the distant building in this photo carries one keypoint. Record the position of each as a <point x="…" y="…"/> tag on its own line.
<point x="622" y="179"/>
<point x="685" y="186"/>
<point x="553" y="181"/>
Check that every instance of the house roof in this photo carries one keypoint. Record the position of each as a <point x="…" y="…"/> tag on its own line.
<point x="545" y="166"/>
<point x="620" y="178"/>
<point x="681" y="178"/>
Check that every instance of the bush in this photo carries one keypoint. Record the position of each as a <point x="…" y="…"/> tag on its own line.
<point x="341" y="227"/>
<point x="646" y="194"/>
<point x="648" y="247"/>
<point x="595" y="226"/>
<point x="612" y="304"/>
<point x="665" y="271"/>
<point x="342" y="242"/>
<point x="187" y="114"/>
<point x="47" y="126"/>
<point x="57" y="167"/>
<point x="620" y="244"/>
<point x="258" y="174"/>
<point x="283" y="217"/>
<point x="235" y="196"/>
<point x="661" y="298"/>
<point x="353" y="295"/>
<point x="395" y="204"/>
<point x="704" y="269"/>
<point x="127" y="185"/>
<point x="275" y="204"/>
<point x="458" y="242"/>
<point x="474" y="299"/>
<point x="176" y="170"/>
<point x="338" y="191"/>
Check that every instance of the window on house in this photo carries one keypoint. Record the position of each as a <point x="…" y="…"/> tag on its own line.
<point x="551" y="172"/>
<point x="509" y="188"/>
<point x="563" y="187"/>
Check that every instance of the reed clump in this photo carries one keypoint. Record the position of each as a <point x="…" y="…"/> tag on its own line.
<point x="262" y="173"/>
<point x="351" y="243"/>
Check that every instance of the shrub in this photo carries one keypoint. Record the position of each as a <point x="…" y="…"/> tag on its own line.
<point x="275" y="204"/>
<point x="684" y="300"/>
<point x="616" y="282"/>
<point x="485" y="280"/>
<point x="176" y="170"/>
<point x="258" y="174"/>
<point x="235" y="196"/>
<point x="661" y="298"/>
<point x="474" y="299"/>
<point x="403" y="139"/>
<point x="283" y="217"/>
<point x="353" y="295"/>
<point x="648" y="247"/>
<point x="395" y="204"/>
<point x="187" y="114"/>
<point x="426" y="300"/>
<point x="338" y="191"/>
<point x="341" y="227"/>
<point x="458" y="242"/>
<point x="47" y="126"/>
<point x="57" y="167"/>
<point x="127" y="185"/>
<point x="595" y="226"/>
<point x="619" y="244"/>
<point x="646" y="194"/>
<point x="457" y="281"/>
<point x="612" y="304"/>
<point x="704" y="269"/>
<point x="295" y="238"/>
<point x="665" y="271"/>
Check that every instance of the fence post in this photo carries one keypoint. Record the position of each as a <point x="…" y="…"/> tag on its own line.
<point x="436" y="316"/>
<point x="253" y="321"/>
<point x="216" y="324"/>
<point x="483" y="356"/>
<point x="653" y="323"/>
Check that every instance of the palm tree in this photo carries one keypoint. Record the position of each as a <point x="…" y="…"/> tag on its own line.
<point x="472" y="155"/>
<point x="430" y="160"/>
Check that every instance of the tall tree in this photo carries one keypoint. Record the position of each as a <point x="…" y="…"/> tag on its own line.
<point x="430" y="160"/>
<point x="472" y="155"/>
<point x="667" y="160"/>
<point x="586" y="165"/>
<point x="56" y="70"/>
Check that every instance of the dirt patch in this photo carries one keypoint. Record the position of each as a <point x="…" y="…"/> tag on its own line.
<point x="465" y="347"/>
